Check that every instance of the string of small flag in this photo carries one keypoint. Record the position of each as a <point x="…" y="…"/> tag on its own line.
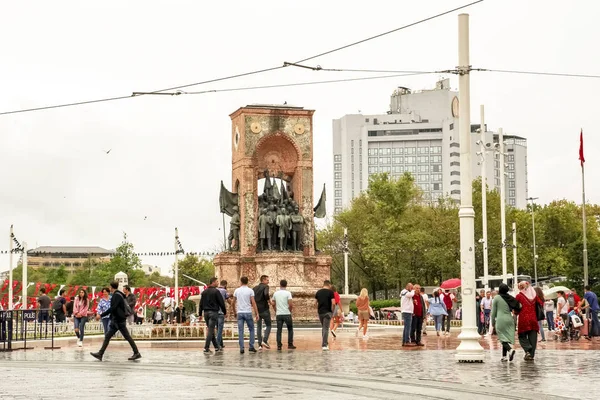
<point x="142" y="254"/>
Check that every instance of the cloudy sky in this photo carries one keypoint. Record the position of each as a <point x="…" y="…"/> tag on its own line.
<point x="170" y="153"/>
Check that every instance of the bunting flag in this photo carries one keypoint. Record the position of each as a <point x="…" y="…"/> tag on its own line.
<point x="321" y="208"/>
<point x="227" y="201"/>
<point x="581" y="157"/>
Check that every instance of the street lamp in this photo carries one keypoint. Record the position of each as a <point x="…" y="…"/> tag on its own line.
<point x="535" y="256"/>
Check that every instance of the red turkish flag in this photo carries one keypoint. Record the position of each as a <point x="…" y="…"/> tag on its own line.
<point x="581" y="157"/>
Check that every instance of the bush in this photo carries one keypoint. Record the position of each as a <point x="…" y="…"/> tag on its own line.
<point x="378" y="304"/>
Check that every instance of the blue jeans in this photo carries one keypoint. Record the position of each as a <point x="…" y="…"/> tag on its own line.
<point x="220" y="324"/>
<point x="541" y="330"/>
<point x="105" y="324"/>
<point x="550" y="320"/>
<point x="438" y="322"/>
<point x="241" y="318"/>
<point x="407" y="320"/>
<point x="80" y="325"/>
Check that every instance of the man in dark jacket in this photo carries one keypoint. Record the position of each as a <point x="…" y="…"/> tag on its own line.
<point x="131" y="300"/>
<point x="118" y="323"/>
<point x="263" y="301"/>
<point x="211" y="302"/>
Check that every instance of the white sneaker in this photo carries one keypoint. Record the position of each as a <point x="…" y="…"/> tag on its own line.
<point x="79" y="343"/>
<point x="325" y="348"/>
<point x="365" y="336"/>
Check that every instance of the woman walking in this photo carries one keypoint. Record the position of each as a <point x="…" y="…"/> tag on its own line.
<point x="549" y="307"/>
<point x="362" y="304"/>
<point x="528" y="323"/>
<point x="103" y="305"/>
<point x="540" y="294"/>
<point x="503" y="322"/>
<point x="437" y="309"/>
<point x="80" y="315"/>
<point x="337" y="312"/>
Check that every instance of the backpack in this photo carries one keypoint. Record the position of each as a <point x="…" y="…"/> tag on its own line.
<point x="57" y="305"/>
<point x="128" y="310"/>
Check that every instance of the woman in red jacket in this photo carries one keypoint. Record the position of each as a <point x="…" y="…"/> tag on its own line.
<point x="527" y="326"/>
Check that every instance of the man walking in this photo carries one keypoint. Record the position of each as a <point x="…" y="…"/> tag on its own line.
<point x="60" y="307"/>
<point x="117" y="323"/>
<point x="325" y="306"/>
<point x="221" y="317"/>
<point x="486" y="309"/>
<point x="417" y="319"/>
<point x="592" y="302"/>
<point x="282" y="304"/>
<point x="212" y="305"/>
<point x="43" y="306"/>
<point x="261" y="297"/>
<point x="131" y="300"/>
<point x="243" y="304"/>
<point x="448" y="300"/>
<point x="407" y="307"/>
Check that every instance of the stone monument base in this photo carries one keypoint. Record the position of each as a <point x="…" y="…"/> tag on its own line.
<point x="305" y="275"/>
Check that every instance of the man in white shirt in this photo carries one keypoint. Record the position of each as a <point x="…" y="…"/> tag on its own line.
<point x="486" y="308"/>
<point x="407" y="307"/>
<point x="282" y="304"/>
<point x="243" y="304"/>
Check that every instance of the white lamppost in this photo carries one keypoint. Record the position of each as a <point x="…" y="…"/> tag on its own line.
<point x="482" y="155"/>
<point x="469" y="349"/>
<point x="502" y="205"/>
<point x="535" y="256"/>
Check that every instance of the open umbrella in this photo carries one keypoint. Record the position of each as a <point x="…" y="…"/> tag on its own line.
<point x="451" y="284"/>
<point x="551" y="294"/>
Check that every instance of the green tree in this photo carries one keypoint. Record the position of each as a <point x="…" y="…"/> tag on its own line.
<point x="198" y="268"/>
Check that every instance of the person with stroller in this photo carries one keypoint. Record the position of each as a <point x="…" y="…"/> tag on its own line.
<point x="562" y="309"/>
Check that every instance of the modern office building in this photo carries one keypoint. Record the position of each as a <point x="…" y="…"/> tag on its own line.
<point x="419" y="134"/>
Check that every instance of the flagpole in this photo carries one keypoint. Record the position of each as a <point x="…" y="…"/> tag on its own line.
<point x="224" y="235"/>
<point x="585" y="252"/>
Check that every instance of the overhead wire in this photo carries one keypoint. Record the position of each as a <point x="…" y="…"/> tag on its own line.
<point x="137" y="94"/>
<point x="506" y="71"/>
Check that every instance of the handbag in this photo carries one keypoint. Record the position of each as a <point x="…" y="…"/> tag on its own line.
<point x="539" y="312"/>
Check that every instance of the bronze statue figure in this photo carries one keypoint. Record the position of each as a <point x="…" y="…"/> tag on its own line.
<point x="234" y="230"/>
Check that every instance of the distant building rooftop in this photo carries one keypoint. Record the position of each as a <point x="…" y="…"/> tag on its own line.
<point x="83" y="250"/>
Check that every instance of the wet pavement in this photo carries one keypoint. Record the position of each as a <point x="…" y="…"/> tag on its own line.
<point x="353" y="369"/>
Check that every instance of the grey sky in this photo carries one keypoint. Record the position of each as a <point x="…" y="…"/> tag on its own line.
<point x="169" y="153"/>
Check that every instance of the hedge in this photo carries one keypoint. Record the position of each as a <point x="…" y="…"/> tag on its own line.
<point x="378" y="304"/>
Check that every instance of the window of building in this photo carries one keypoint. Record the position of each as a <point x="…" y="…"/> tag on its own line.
<point x="352" y="150"/>
<point x="436" y="177"/>
<point x="454" y="144"/>
<point x="424" y="186"/>
<point x="437" y="186"/>
<point x="496" y="164"/>
<point x="511" y="184"/>
<point x="337" y="167"/>
<point x="338" y="193"/>
<point x="455" y="183"/>
<point x="373" y="170"/>
<point x="423" y="159"/>
<point x="511" y="175"/>
<point x="511" y="193"/>
<point x="436" y="150"/>
<point x="352" y="143"/>
<point x="372" y="160"/>
<point x="338" y="184"/>
<point x="511" y="158"/>
<point x="436" y="159"/>
<point x="423" y="168"/>
<point x="455" y="192"/>
<point x="372" y="152"/>
<point x="410" y="159"/>
<point x="398" y="150"/>
<point x="455" y="173"/>
<point x="423" y="150"/>
<point x="386" y="168"/>
<point x="360" y="151"/>
<point x="451" y="127"/>
<point x="338" y="202"/>
<point x="497" y="182"/>
<point x="385" y="160"/>
<point x="366" y="119"/>
<point x="411" y="168"/>
<point x="360" y="143"/>
<point x="423" y="178"/>
<point x="512" y="202"/>
<point x="455" y="164"/>
<point x="352" y="161"/>
<point x="455" y="154"/>
<point x="511" y="166"/>
<point x="398" y="160"/>
<point x="399" y="169"/>
<point x="338" y="210"/>
<point x="385" y="152"/>
<point x="337" y="158"/>
<point x="496" y="172"/>
<point x="409" y="150"/>
<point x="338" y="175"/>
<point x="436" y="168"/>
<point x="435" y="196"/>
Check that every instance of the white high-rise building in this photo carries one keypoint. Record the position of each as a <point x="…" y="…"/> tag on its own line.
<point x="420" y="135"/>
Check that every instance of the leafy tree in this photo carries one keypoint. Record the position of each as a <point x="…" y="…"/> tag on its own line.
<point x="198" y="268"/>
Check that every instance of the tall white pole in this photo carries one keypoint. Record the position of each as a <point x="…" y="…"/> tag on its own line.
<point x="176" y="271"/>
<point x="10" y="270"/>
<point x="585" y="251"/>
<point x="346" y="291"/>
<point x="484" y="201"/>
<point x="25" y="282"/>
<point x="502" y="204"/>
<point x="514" y="232"/>
<point x="469" y="349"/>
<point x="534" y="245"/>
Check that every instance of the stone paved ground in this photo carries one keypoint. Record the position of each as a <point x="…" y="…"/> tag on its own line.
<point x="353" y="369"/>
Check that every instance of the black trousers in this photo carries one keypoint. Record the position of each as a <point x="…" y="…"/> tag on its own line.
<point x="212" y="319"/>
<point x="505" y="348"/>
<point x="287" y="319"/>
<point x="415" y="329"/>
<point x="115" y="327"/>
<point x="528" y="341"/>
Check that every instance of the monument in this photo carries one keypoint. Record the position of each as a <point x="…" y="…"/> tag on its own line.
<point x="272" y="227"/>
